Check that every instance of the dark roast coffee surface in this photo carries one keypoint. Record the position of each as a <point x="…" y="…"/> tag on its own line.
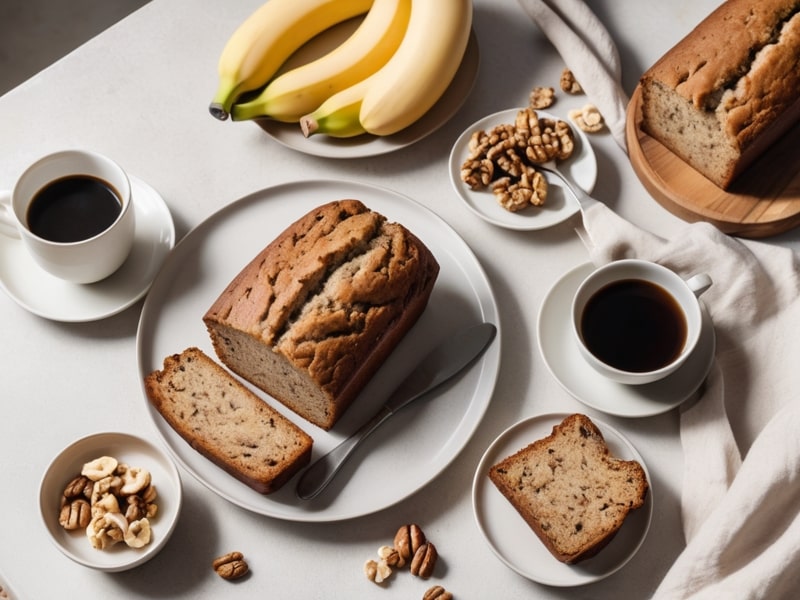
<point x="634" y="325"/>
<point x="72" y="209"/>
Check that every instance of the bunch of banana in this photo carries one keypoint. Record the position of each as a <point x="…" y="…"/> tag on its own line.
<point x="384" y="77"/>
<point x="263" y="42"/>
<point x="299" y="91"/>
<point x="409" y="84"/>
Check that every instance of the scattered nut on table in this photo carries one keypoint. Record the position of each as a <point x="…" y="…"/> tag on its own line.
<point x="588" y="118"/>
<point x="542" y="97"/>
<point x="437" y="592"/>
<point x="231" y="565"/>
<point x="407" y="540"/>
<point x="569" y="84"/>
<point x="424" y="561"/>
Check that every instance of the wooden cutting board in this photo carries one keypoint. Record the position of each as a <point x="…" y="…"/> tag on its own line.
<point x="763" y="201"/>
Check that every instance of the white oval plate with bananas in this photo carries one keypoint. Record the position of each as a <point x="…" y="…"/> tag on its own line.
<point x="362" y="146"/>
<point x="559" y="206"/>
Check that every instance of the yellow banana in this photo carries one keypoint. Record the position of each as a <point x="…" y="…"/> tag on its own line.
<point x="262" y="43"/>
<point x="422" y="68"/>
<point x="301" y="90"/>
<point x="338" y="115"/>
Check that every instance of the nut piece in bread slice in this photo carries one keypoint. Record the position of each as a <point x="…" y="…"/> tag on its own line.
<point x="569" y="489"/>
<point x="226" y="422"/>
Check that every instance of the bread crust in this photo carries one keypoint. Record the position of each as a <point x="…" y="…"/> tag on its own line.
<point x="574" y="504"/>
<point x="729" y="89"/>
<point x="226" y="423"/>
<point x="312" y="317"/>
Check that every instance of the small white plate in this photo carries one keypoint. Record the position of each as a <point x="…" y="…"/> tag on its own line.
<point x="560" y="204"/>
<point x="517" y="545"/>
<point x="290" y="135"/>
<point x="6" y="590"/>
<point x="128" y="449"/>
<point x="43" y="294"/>
<point x="563" y="359"/>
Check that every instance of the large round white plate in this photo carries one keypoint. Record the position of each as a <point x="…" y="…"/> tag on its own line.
<point x="560" y="204"/>
<point x="50" y="297"/>
<point x="517" y="545"/>
<point x="290" y="135"/>
<point x="563" y="359"/>
<point x="129" y="449"/>
<point x="411" y="448"/>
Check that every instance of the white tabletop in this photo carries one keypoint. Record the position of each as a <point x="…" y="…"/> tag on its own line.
<point x="139" y="92"/>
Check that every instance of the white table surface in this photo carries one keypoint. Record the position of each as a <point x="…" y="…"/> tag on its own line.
<point x="139" y="92"/>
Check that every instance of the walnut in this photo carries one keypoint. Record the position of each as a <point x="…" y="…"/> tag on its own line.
<point x="437" y="592"/>
<point x="231" y="565"/>
<point x="424" y="561"/>
<point x="517" y="194"/>
<point x="588" y="118"/>
<point x="377" y="571"/>
<point x="477" y="173"/>
<point x="542" y="97"/>
<point x="569" y="84"/>
<point x="391" y="556"/>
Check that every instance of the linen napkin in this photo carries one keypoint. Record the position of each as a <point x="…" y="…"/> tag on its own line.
<point x="589" y="52"/>
<point x="740" y="495"/>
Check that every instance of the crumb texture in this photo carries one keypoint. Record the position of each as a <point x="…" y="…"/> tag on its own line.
<point x="226" y="422"/>
<point x="312" y="316"/>
<point x="570" y="490"/>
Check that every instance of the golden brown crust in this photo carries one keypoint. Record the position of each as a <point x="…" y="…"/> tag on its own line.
<point x="323" y="305"/>
<point x="569" y="489"/>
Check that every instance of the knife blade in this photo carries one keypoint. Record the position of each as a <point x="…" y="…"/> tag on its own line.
<point x="442" y="363"/>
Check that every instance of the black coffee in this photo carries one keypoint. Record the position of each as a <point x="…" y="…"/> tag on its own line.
<point x="634" y="325"/>
<point x="72" y="209"/>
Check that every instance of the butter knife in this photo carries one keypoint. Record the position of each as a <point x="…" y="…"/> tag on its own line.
<point x="446" y="360"/>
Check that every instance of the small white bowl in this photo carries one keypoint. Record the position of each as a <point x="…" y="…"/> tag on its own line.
<point x="128" y="449"/>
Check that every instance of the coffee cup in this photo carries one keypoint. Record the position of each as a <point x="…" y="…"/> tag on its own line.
<point x="72" y="211"/>
<point x="636" y="321"/>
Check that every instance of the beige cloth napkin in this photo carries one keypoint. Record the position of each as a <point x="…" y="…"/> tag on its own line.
<point x="589" y="52"/>
<point x="741" y="438"/>
<point x="740" y="494"/>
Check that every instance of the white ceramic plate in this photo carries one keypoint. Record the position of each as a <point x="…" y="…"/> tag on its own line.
<point x="5" y="589"/>
<point x="563" y="359"/>
<point x="560" y="204"/>
<point x="128" y="449"/>
<point x="290" y="135"/>
<point x="388" y="467"/>
<point x="516" y="544"/>
<point x="47" y="296"/>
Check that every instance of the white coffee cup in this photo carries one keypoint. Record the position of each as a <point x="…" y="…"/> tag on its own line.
<point x="104" y="248"/>
<point x="636" y="321"/>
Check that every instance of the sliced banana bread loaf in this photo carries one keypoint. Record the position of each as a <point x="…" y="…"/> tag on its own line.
<point x="570" y="490"/>
<point x="225" y="422"/>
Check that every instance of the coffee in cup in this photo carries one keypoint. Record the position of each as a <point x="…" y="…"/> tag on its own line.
<point x="73" y="212"/>
<point x="636" y="321"/>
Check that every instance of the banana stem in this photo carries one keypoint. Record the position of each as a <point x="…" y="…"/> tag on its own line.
<point x="309" y="126"/>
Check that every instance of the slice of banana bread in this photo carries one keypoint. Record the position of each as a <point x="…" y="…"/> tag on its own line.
<point x="570" y="490"/>
<point x="225" y="422"/>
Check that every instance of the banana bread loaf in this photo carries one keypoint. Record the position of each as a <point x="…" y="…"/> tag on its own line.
<point x="569" y="490"/>
<point x="311" y="318"/>
<point x="225" y="422"/>
<point x="729" y="89"/>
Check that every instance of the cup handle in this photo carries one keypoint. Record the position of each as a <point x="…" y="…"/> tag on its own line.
<point x="7" y="226"/>
<point x="699" y="283"/>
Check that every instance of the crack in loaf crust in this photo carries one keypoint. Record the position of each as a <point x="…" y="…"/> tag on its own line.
<point x="729" y="89"/>
<point x="569" y="489"/>
<point x="314" y="314"/>
<point x="225" y="422"/>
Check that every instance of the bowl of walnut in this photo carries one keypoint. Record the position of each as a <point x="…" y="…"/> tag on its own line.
<point x="110" y="501"/>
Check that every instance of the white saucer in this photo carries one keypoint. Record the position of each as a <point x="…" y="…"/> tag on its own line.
<point x="560" y="204"/>
<point x="47" y="296"/>
<point x="576" y="376"/>
<point x="517" y="545"/>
